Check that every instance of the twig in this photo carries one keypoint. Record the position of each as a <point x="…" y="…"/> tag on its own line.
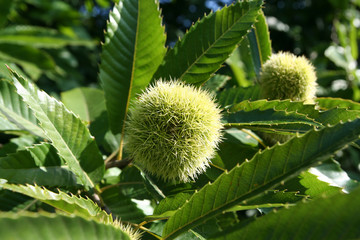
<point x="28" y="206"/>
<point x="111" y="156"/>
<point x="228" y="125"/>
<point x="119" y="164"/>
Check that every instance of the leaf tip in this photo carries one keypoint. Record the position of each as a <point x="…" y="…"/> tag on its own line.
<point x="9" y="69"/>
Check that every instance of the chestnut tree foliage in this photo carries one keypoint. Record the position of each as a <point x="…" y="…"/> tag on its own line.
<point x="64" y="173"/>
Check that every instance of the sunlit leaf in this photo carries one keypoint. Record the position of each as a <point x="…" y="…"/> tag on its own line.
<point x="329" y="218"/>
<point x="134" y="48"/>
<point x="88" y="103"/>
<point x="329" y="103"/>
<point x="70" y="204"/>
<point x="52" y="227"/>
<point x="264" y="171"/>
<point x="38" y="164"/>
<point x="16" y="110"/>
<point x="68" y="134"/>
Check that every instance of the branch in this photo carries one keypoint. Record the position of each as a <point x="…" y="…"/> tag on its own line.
<point x="118" y="163"/>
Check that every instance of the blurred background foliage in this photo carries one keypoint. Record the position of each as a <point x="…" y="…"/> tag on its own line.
<point x="57" y="43"/>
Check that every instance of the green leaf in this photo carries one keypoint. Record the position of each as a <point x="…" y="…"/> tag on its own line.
<point x="252" y="52"/>
<point x="169" y="205"/>
<point x="263" y="115"/>
<point x="48" y="227"/>
<point x="245" y="137"/>
<point x="337" y="115"/>
<point x="315" y="182"/>
<point x="4" y="72"/>
<point x="133" y="50"/>
<point x="270" y="199"/>
<point x="209" y="43"/>
<point x="15" y="144"/>
<point x="131" y="184"/>
<point x="329" y="103"/>
<point x="70" y="204"/>
<point x="332" y="116"/>
<point x="353" y="38"/>
<point x="216" y="82"/>
<point x="270" y="121"/>
<point x="236" y="95"/>
<point x="309" y="184"/>
<point x="26" y="55"/>
<point x="329" y="218"/>
<point x="331" y="173"/>
<point x="39" y="37"/>
<point x="68" y="134"/>
<point x="260" y="44"/>
<point x="88" y="103"/>
<point x="38" y="164"/>
<point x="151" y="186"/>
<point x="240" y="66"/>
<point x="236" y="147"/>
<point x="122" y="206"/>
<point x="16" y="110"/>
<point x="6" y="125"/>
<point x="264" y="171"/>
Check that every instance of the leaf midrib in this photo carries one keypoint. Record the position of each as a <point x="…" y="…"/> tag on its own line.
<point x="58" y="135"/>
<point x="71" y="153"/>
<point x="131" y="83"/>
<point x="254" y="192"/>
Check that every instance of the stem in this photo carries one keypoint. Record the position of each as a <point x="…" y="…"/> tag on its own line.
<point x="255" y="137"/>
<point x="121" y="146"/>
<point x="211" y="164"/>
<point x="229" y="125"/>
<point x="141" y="226"/>
<point x="28" y="206"/>
<point x="149" y="232"/>
<point x="111" y="156"/>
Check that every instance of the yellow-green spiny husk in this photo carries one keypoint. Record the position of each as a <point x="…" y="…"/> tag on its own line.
<point x="173" y="130"/>
<point x="286" y="76"/>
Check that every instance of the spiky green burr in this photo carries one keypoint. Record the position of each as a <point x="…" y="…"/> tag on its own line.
<point x="286" y="76"/>
<point x="173" y="130"/>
